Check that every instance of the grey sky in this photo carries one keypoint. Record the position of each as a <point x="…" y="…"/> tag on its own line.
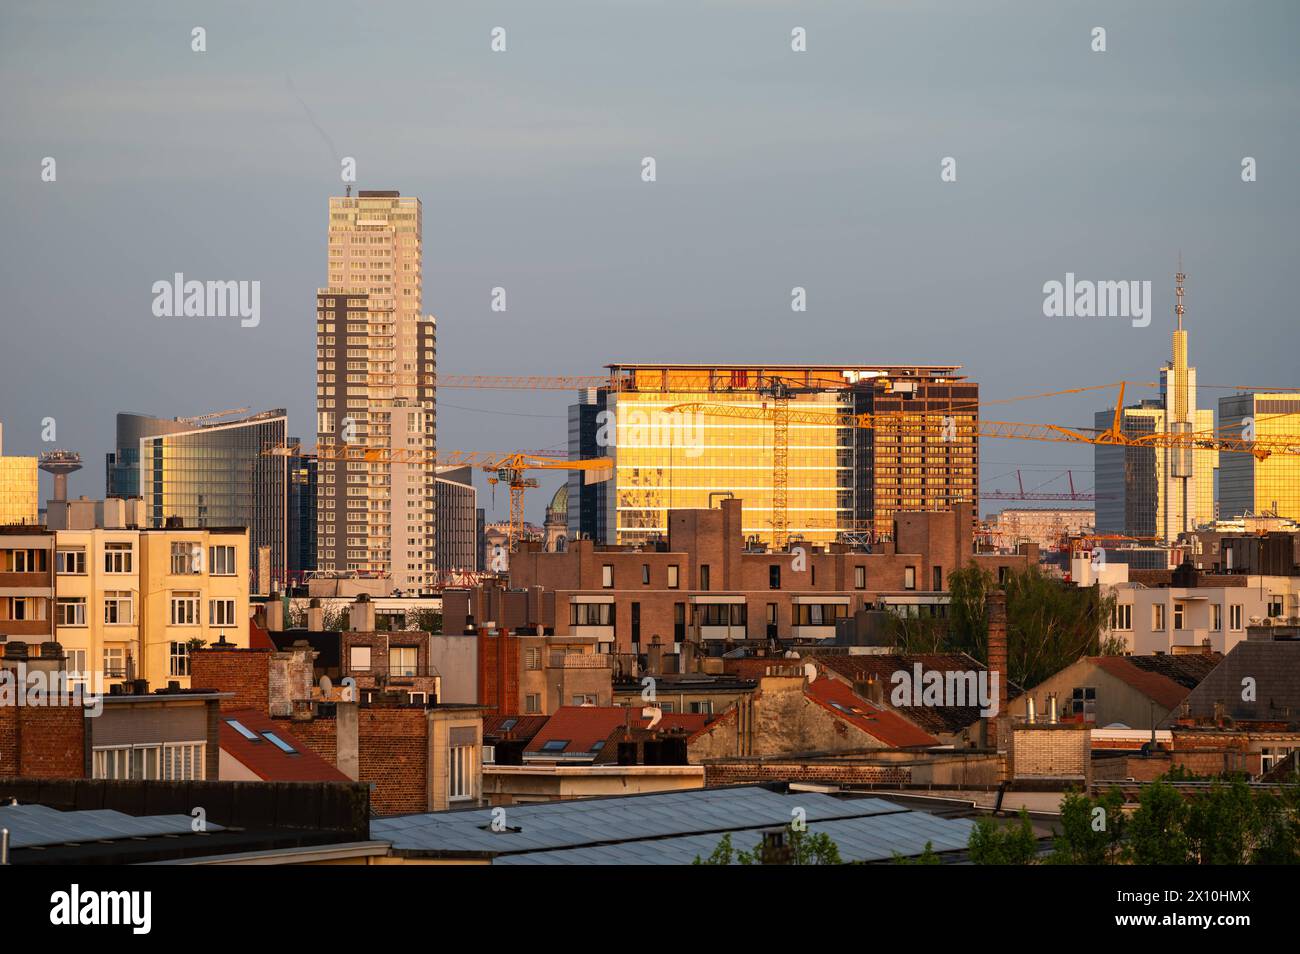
<point x="775" y="169"/>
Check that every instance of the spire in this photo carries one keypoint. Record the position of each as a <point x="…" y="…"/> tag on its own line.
<point x="1179" y="278"/>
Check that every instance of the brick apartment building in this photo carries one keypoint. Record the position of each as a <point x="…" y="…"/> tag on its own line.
<point x="706" y="585"/>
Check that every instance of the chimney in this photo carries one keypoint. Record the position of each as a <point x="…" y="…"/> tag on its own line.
<point x="996" y="611"/>
<point x="361" y="619"/>
<point x="1051" y="708"/>
<point x="1029" y="710"/>
<point x="686" y="658"/>
<point x="654" y="658"/>
<point x="274" y="616"/>
<point x="315" y="615"/>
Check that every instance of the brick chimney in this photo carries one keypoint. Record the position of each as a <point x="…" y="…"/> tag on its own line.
<point x="361" y="615"/>
<point x="245" y="672"/>
<point x="996" y="612"/>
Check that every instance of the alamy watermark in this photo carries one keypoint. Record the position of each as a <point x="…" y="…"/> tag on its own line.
<point x="1105" y="299"/>
<point x="947" y="688"/>
<point x="194" y="299"/>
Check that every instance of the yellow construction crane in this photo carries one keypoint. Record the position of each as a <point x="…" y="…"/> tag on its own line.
<point x="508" y="468"/>
<point x="915" y="424"/>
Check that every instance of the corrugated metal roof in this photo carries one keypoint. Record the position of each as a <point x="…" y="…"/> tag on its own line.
<point x="669" y="827"/>
<point x="39" y="825"/>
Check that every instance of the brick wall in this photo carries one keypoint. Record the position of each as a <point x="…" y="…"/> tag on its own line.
<point x="498" y="674"/>
<point x="394" y="754"/>
<point x="43" y="741"/>
<point x="1051" y="752"/>
<point x="767" y="770"/>
<point x="245" y="672"/>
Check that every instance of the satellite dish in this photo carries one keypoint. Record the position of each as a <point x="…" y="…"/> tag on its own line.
<point x="809" y="671"/>
<point x="326" y="686"/>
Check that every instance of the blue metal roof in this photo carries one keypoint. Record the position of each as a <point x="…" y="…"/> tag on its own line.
<point x="670" y="827"/>
<point x="39" y="825"/>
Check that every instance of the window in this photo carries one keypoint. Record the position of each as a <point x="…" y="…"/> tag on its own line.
<point x="242" y="729"/>
<point x="591" y="614"/>
<point x="1216" y="616"/>
<point x="185" y="609"/>
<point x="1234" y="617"/>
<point x="816" y="614"/>
<point x="1083" y="702"/>
<point x="187" y="558"/>
<point x="359" y="658"/>
<point x="679" y="622"/>
<point x="555" y="745"/>
<point x="636" y="622"/>
<point x="183" y="760"/>
<point x="70" y="562"/>
<point x="673" y="571"/>
<point x="909" y="578"/>
<point x="221" y="561"/>
<point x="607" y="576"/>
<point x="221" y="612"/>
<point x="1122" y="616"/>
<point x="937" y="579"/>
<point x="460" y="772"/>
<point x="534" y="659"/>
<point x="179" y="658"/>
<point x="583" y="699"/>
<point x="704" y="577"/>
<point x="71" y="611"/>
<point x="402" y="660"/>
<point x="1158" y="617"/>
<point x="1274" y="606"/>
<point x="774" y="576"/>
<point x="114" y="662"/>
<point x="127" y="762"/>
<point x="704" y="707"/>
<point x="533" y="703"/>
<point x="721" y="614"/>
<point x="860" y="577"/>
<point x="117" y="607"/>
<point x="645" y="574"/>
<point x="117" y="558"/>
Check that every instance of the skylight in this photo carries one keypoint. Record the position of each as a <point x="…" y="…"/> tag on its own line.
<point x="555" y="745"/>
<point x="242" y="729"/>
<point x="279" y="743"/>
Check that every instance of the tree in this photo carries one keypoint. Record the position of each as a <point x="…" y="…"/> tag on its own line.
<point x="926" y="857"/>
<point x="1222" y="824"/>
<point x="1011" y="844"/>
<point x="1050" y="623"/>
<point x="1091" y="829"/>
<point x="425" y="620"/>
<point x="1157" y="834"/>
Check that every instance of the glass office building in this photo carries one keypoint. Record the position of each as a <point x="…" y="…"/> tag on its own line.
<point x="1246" y="484"/>
<point x="210" y="475"/>
<point x="838" y="478"/>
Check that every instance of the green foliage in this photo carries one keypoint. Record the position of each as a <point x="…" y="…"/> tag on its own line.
<point x="806" y="849"/>
<point x="1050" y="623"/>
<point x="1091" y="829"/>
<point x="927" y="857"/>
<point x="1157" y="830"/>
<point x="425" y="620"/>
<point x="994" y="844"/>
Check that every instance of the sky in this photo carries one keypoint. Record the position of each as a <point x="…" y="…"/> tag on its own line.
<point x="775" y="169"/>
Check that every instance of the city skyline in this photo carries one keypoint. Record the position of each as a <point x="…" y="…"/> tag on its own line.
<point x="600" y="266"/>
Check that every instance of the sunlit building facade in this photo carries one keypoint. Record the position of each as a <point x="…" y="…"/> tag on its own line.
<point x="1248" y="485"/>
<point x="839" y="478"/>
<point x="19" y="488"/>
<point x="375" y="365"/>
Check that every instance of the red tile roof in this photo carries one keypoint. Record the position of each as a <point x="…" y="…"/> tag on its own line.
<point x="258" y="638"/>
<point x="1159" y="688"/>
<point x="877" y="721"/>
<point x="267" y="761"/>
<point x="583" y="727"/>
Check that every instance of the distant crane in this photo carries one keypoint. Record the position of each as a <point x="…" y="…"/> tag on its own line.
<point x="1034" y="494"/>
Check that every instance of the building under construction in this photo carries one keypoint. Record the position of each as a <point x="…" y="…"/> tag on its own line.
<point x="817" y="479"/>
